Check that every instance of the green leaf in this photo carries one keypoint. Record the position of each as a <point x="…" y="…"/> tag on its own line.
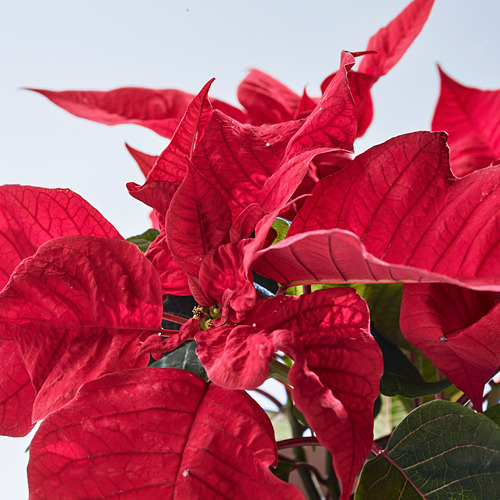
<point x="392" y="411"/>
<point x="401" y="377"/>
<point x="142" y="241"/>
<point x="493" y="413"/>
<point x="281" y="226"/>
<point x="282" y="470"/>
<point x="281" y="425"/>
<point x="384" y="302"/>
<point x="184" y="358"/>
<point x="441" y="450"/>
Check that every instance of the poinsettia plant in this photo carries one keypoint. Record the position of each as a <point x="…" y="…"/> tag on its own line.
<point x="366" y="285"/>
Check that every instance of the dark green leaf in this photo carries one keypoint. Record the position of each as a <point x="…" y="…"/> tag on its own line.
<point x="178" y="306"/>
<point x="441" y="450"/>
<point x="145" y="239"/>
<point x="283" y="470"/>
<point x="384" y="302"/>
<point x="184" y="358"/>
<point x="401" y="377"/>
<point x="493" y="413"/>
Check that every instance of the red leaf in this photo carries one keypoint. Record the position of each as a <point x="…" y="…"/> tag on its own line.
<point x="198" y="220"/>
<point x="77" y="309"/>
<point x="225" y="278"/>
<point x="333" y="122"/>
<point x="457" y="329"/>
<point x="16" y="393"/>
<point x="391" y="42"/>
<point x="471" y="118"/>
<point x="238" y="357"/>
<point x="338" y="256"/>
<point x="30" y="216"/>
<point x="240" y="158"/>
<point x="337" y="397"/>
<point x="266" y="99"/>
<point x="174" y="279"/>
<point x="170" y="168"/>
<point x="146" y="162"/>
<point x="157" y="109"/>
<point x="327" y="334"/>
<point x="196" y="441"/>
<point x="416" y="221"/>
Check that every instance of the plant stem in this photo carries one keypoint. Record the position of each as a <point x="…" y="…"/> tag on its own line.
<point x="279" y="371"/>
<point x="271" y="398"/>
<point x="311" y="486"/>
<point x="174" y="319"/>
<point x="331" y="478"/>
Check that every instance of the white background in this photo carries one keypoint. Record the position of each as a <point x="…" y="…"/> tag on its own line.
<point x="101" y="45"/>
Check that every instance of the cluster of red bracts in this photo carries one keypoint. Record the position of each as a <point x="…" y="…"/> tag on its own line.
<point x="81" y="308"/>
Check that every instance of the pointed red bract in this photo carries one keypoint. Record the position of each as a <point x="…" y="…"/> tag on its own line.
<point x="197" y="221"/>
<point x="457" y="329"/>
<point x="157" y="109"/>
<point x="266" y="99"/>
<point x="333" y="121"/>
<point x="391" y="42"/>
<point x="174" y="279"/>
<point x="17" y="393"/>
<point x="156" y="433"/>
<point x="416" y="220"/>
<point x="77" y="310"/>
<point x="146" y="162"/>
<point x="336" y="380"/>
<point x="239" y="158"/>
<point x="471" y="117"/>
<point x="170" y="168"/>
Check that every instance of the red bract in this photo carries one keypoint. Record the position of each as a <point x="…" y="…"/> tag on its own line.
<point x="415" y="222"/>
<point x="386" y="48"/>
<point x="457" y="329"/>
<point x="156" y="433"/>
<point x="77" y="309"/>
<point x="17" y="393"/>
<point x="471" y="117"/>
<point x="157" y="109"/>
<point x="266" y="99"/>
<point x="29" y="217"/>
<point x="327" y="334"/>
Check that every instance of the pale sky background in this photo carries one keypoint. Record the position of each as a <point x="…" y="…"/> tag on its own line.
<point x="101" y="45"/>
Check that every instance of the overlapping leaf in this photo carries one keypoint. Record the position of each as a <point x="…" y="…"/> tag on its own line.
<point x="77" y="309"/>
<point x="416" y="222"/>
<point x="17" y="393"/>
<point x="266" y="99"/>
<point x="471" y="117"/>
<point x="157" y="109"/>
<point x="457" y="329"/>
<point x="239" y="158"/>
<point x="337" y="367"/>
<point x="112" y="441"/>
<point x="30" y="216"/>
<point x="198" y="220"/>
<point x="386" y="48"/>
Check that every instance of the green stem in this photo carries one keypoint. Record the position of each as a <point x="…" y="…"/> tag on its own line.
<point x="279" y="371"/>
<point x="331" y="478"/>
<point x="308" y="480"/>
